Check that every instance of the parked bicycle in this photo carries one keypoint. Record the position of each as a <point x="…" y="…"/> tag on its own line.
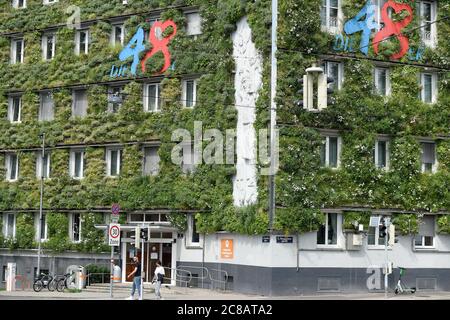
<point x="60" y="282"/>
<point x="43" y="281"/>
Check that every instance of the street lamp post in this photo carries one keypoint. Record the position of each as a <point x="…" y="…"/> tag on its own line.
<point x="42" y="136"/>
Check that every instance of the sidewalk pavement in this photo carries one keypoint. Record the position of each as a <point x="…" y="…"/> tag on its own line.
<point x="205" y="294"/>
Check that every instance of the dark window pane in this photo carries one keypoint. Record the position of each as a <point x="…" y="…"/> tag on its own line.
<point x="333" y="149"/>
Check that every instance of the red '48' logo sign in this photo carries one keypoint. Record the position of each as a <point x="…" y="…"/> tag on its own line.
<point x="159" y="43"/>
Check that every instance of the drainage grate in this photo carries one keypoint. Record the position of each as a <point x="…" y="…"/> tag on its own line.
<point x="329" y="284"/>
<point x="426" y="283"/>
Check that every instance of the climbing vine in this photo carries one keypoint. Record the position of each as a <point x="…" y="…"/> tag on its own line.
<point x="303" y="186"/>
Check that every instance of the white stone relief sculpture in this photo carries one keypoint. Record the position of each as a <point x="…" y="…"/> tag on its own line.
<point x="248" y="82"/>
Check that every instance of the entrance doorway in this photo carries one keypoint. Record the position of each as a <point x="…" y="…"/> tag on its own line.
<point x="153" y="251"/>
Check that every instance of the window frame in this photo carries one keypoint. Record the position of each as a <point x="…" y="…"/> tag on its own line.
<point x="78" y="51"/>
<point x="44" y="46"/>
<point x="48" y="2"/>
<point x="75" y="100"/>
<point x="435" y="165"/>
<point x="6" y="227"/>
<point x="8" y="167"/>
<point x="326" y="67"/>
<point x="327" y="27"/>
<point x="158" y="100"/>
<point x="338" y="232"/>
<point x="377" y="71"/>
<point x="434" y="87"/>
<point x="41" y="105"/>
<point x="114" y="35"/>
<point x="196" y="14"/>
<point x="72" y="229"/>
<point x="194" y="93"/>
<point x="388" y="153"/>
<point x="39" y="160"/>
<point x="72" y="163"/>
<point x="111" y="92"/>
<point x="432" y="42"/>
<point x="326" y="139"/>
<point x="109" y="150"/>
<point x="11" y="106"/>
<point x="377" y="235"/>
<point x="189" y="244"/>
<point x="15" y="4"/>
<point x="13" y="56"/>
<point x="144" y="160"/>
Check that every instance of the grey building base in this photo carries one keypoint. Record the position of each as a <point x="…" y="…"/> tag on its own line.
<point x="26" y="262"/>
<point x="306" y="281"/>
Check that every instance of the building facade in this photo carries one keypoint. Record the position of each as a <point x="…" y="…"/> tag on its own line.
<point x="125" y="92"/>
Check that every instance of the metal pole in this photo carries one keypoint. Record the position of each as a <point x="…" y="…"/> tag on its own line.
<point x="112" y="273"/>
<point x="40" y="206"/>
<point x="386" y="271"/>
<point x="273" y="113"/>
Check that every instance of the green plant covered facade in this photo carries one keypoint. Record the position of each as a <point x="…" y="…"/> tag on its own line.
<point x="304" y="188"/>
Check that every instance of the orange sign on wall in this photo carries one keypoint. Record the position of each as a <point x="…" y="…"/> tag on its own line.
<point x="226" y="249"/>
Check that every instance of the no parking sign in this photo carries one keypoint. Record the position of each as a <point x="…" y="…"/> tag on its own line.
<point x="114" y="234"/>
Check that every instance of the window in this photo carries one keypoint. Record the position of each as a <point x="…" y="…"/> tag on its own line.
<point x="429" y="162"/>
<point x="428" y="82"/>
<point x="334" y="70"/>
<point x="17" y="49"/>
<point x="330" y="152"/>
<point x="76" y="227"/>
<point x="189" y="93"/>
<point x="45" y="165"/>
<point x="115" y="99"/>
<point x="46" y="110"/>
<point x="329" y="14"/>
<point x="10" y="226"/>
<point x="113" y="162"/>
<point x="43" y="227"/>
<point x="79" y="103"/>
<point x="4" y="271"/>
<point x="82" y="42"/>
<point x="192" y="236"/>
<point x="194" y="24"/>
<point x="373" y="237"/>
<point x="152" y="101"/>
<point x="12" y="167"/>
<point x="381" y="154"/>
<point x="118" y="34"/>
<point x="48" y="46"/>
<point x="14" y="109"/>
<point x="50" y="1"/>
<point x="327" y="234"/>
<point x="151" y="161"/>
<point x="382" y="81"/>
<point x="380" y="4"/>
<point x="428" y="31"/>
<point x="425" y="238"/>
<point x="76" y="165"/>
<point x="19" y="4"/>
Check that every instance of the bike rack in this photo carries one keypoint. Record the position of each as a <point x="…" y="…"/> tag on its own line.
<point x="213" y="280"/>
<point x="203" y="277"/>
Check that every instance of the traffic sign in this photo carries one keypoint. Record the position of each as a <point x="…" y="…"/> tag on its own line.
<point x="114" y="234"/>
<point x="115" y="209"/>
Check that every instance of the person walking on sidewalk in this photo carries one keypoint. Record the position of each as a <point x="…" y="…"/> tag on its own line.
<point x="137" y="278"/>
<point x="158" y="279"/>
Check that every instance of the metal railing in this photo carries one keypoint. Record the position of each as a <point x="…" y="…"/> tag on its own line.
<point x="204" y="270"/>
<point x="218" y="280"/>
<point x="98" y="274"/>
